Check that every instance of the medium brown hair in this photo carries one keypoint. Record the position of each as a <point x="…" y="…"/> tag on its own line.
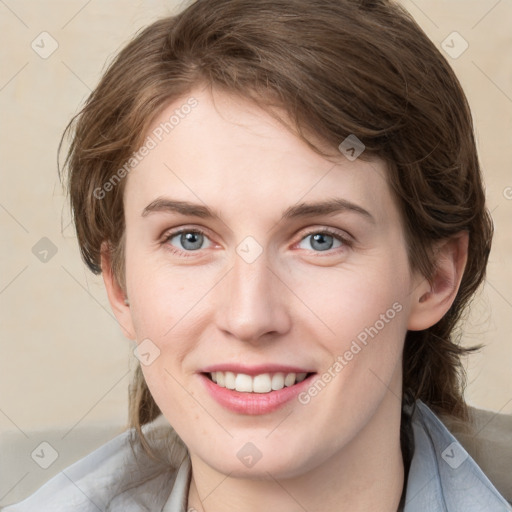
<point x="336" y="67"/>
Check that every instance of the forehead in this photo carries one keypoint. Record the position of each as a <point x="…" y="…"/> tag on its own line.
<point x="223" y="150"/>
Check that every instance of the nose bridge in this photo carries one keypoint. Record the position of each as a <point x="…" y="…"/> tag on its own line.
<point x="251" y="281"/>
<point x="251" y="305"/>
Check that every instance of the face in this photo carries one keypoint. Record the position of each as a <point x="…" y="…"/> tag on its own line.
<point x="255" y="262"/>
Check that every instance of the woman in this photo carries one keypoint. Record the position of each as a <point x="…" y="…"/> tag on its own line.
<point x="285" y="202"/>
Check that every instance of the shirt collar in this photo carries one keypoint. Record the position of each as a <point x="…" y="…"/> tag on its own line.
<point x="443" y="476"/>
<point x="178" y="498"/>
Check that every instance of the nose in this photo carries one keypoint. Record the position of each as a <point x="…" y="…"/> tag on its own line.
<point x="252" y="302"/>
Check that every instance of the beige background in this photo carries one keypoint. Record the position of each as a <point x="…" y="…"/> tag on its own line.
<point x="64" y="365"/>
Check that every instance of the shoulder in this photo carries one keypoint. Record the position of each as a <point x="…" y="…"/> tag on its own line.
<point x="489" y="442"/>
<point x="117" y="476"/>
<point x="84" y="485"/>
<point x="443" y="476"/>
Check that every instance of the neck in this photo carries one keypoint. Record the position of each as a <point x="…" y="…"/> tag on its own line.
<point x="367" y="474"/>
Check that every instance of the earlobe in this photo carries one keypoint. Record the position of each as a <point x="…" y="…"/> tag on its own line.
<point x="432" y="299"/>
<point x="116" y="295"/>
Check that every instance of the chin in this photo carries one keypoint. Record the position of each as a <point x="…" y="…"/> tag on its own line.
<point x="246" y="461"/>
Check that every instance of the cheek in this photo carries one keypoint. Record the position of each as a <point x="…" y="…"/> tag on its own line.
<point x="354" y="297"/>
<point x="164" y="298"/>
<point x="167" y="312"/>
<point x="365" y="310"/>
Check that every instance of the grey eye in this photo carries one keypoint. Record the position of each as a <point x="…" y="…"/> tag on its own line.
<point x="320" y="242"/>
<point x="188" y="240"/>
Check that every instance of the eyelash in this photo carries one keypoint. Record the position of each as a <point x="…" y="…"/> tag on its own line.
<point x="346" y="242"/>
<point x="172" y="234"/>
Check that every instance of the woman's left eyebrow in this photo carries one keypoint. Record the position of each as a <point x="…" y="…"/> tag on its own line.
<point x="328" y="207"/>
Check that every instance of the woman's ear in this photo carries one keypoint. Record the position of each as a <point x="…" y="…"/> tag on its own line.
<point x="116" y="294"/>
<point x="432" y="300"/>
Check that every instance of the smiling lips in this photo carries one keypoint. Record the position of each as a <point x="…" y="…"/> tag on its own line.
<point x="254" y="390"/>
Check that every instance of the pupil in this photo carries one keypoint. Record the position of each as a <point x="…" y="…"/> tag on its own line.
<point x="191" y="240"/>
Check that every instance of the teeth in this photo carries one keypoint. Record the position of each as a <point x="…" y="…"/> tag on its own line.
<point x="289" y="380"/>
<point x="243" y="383"/>
<point x="230" y="380"/>
<point x="277" y="381"/>
<point x="263" y="383"/>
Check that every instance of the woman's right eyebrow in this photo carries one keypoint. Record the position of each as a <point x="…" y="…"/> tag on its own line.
<point x="163" y="204"/>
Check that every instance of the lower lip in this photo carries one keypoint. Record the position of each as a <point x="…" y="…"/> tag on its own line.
<point x="254" y="403"/>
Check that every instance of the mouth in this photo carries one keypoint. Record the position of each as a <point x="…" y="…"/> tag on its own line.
<point x="255" y="392"/>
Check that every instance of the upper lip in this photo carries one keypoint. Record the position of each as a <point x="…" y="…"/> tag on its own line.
<point x="254" y="370"/>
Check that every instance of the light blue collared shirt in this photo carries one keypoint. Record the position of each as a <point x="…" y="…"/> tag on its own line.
<point x="442" y="478"/>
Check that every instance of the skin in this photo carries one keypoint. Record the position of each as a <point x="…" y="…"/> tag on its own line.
<point x="295" y="305"/>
